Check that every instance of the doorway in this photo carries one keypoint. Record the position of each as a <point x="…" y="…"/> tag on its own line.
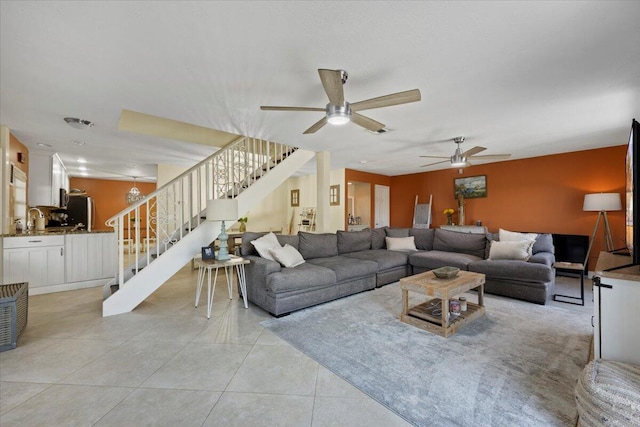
<point x="381" y="206"/>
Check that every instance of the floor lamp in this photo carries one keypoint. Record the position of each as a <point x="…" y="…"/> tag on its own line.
<point x="222" y="210"/>
<point x="601" y="203"/>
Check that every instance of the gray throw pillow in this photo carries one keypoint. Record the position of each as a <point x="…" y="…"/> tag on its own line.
<point x="377" y="238"/>
<point x="317" y="245"/>
<point x="423" y="238"/>
<point x="353" y="241"/>
<point x="397" y="232"/>
<point x="464" y="243"/>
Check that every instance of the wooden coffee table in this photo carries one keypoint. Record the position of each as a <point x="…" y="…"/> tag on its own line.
<point x="441" y="290"/>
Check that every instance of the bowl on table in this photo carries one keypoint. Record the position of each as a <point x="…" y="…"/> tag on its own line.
<point x="446" y="272"/>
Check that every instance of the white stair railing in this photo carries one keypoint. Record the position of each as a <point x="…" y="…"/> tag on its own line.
<point x="149" y="227"/>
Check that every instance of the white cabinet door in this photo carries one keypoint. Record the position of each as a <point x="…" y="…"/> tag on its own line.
<point x="40" y="266"/>
<point x="616" y="305"/>
<point x="39" y="179"/>
<point x="90" y="256"/>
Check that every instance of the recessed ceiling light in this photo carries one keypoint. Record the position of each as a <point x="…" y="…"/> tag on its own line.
<point x="81" y="160"/>
<point x="84" y="174"/>
<point x="78" y="123"/>
<point x="77" y="142"/>
<point x="363" y="162"/>
<point x="82" y="168"/>
<point x="42" y="144"/>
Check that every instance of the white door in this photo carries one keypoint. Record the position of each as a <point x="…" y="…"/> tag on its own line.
<point x="381" y="206"/>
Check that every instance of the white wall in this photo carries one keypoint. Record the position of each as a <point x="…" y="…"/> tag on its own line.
<point x="275" y="211"/>
<point x="167" y="172"/>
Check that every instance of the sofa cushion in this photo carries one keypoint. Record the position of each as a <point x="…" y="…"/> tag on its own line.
<point x="353" y="241"/>
<point x="466" y="243"/>
<point x="287" y="255"/>
<point x="346" y="268"/>
<point x="435" y="259"/>
<point x="317" y="245"/>
<point x="303" y="276"/>
<point x="397" y="232"/>
<point x="288" y="239"/>
<point x="401" y="243"/>
<point x="543" y="243"/>
<point x="423" y="238"/>
<point x="377" y="237"/>
<point x="510" y="250"/>
<point x="546" y="258"/>
<point x="386" y="259"/>
<point x="513" y="270"/>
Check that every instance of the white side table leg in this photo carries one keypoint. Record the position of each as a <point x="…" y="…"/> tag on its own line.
<point x="211" y="292"/>
<point x="243" y="283"/>
<point x="199" y="283"/>
<point x="228" y="272"/>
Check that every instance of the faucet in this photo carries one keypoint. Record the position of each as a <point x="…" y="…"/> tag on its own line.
<point x="41" y="215"/>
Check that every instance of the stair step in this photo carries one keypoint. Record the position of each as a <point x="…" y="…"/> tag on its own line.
<point x="114" y="288"/>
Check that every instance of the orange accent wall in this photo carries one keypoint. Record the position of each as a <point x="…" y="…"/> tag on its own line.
<point x="373" y="179"/>
<point x="543" y="194"/>
<point x="109" y="196"/>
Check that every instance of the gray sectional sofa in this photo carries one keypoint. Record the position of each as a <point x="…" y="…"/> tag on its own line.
<point x="345" y="263"/>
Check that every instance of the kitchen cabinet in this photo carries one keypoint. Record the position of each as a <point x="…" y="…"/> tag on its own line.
<point x="47" y="175"/>
<point x="90" y="256"/>
<point x="39" y="260"/>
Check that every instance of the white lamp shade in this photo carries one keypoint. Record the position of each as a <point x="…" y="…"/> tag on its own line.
<point x="222" y="210"/>
<point x="602" y="202"/>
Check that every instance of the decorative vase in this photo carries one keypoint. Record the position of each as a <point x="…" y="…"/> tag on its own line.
<point x="461" y="215"/>
<point x="243" y="227"/>
<point x="449" y="219"/>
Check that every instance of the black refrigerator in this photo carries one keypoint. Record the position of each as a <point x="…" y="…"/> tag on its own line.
<point x="81" y="210"/>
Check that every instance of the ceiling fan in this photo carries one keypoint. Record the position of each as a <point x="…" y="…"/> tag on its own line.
<point x="338" y="111"/>
<point x="460" y="159"/>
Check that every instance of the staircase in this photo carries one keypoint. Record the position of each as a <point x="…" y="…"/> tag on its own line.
<point x="171" y="222"/>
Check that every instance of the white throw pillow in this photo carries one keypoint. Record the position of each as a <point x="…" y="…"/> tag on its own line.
<point x="513" y="236"/>
<point x="264" y="244"/>
<point x="510" y="250"/>
<point x="401" y="243"/>
<point x="287" y="255"/>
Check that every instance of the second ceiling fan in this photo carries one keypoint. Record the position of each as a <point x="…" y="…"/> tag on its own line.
<point x="460" y="159"/>
<point x="338" y="111"/>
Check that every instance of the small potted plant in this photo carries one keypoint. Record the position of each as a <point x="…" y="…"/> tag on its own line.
<point x="243" y="224"/>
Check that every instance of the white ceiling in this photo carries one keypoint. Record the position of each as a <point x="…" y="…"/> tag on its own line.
<point x="526" y="78"/>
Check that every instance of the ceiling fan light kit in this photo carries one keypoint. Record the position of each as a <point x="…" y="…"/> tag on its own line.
<point x="461" y="159"/>
<point x="339" y="112"/>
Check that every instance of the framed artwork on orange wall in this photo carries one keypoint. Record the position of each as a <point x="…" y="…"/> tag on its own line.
<point x="471" y="187"/>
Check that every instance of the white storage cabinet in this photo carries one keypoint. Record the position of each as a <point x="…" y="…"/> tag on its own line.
<point x="39" y="260"/>
<point x="90" y="256"/>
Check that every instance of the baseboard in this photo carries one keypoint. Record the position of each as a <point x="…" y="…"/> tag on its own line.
<point x="68" y="286"/>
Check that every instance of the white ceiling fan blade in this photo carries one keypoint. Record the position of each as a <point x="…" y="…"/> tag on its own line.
<point x="435" y="157"/>
<point x="316" y="126"/>
<point x="493" y="157"/>
<point x="436" y="163"/>
<point x="473" y="151"/>
<point x="275" y="108"/>
<point x="332" y="83"/>
<point x="388" y="100"/>
<point x="366" y="122"/>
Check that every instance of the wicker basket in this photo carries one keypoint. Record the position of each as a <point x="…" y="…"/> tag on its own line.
<point x="14" y="306"/>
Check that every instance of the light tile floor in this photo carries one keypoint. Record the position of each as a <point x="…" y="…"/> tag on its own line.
<point x="166" y="364"/>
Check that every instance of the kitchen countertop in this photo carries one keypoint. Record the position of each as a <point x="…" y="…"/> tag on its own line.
<point x="56" y="232"/>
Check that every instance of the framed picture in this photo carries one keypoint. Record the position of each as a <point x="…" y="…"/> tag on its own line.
<point x="295" y="198"/>
<point x="471" y="187"/>
<point x="334" y="195"/>
<point x="208" y="252"/>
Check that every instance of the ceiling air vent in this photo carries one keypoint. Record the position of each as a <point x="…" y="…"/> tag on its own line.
<point x="379" y="131"/>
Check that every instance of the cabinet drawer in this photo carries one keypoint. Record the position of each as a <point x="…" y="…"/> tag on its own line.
<point x="32" y="241"/>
